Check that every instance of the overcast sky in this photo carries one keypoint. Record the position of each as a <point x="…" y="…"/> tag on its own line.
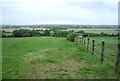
<point x="90" y="12"/>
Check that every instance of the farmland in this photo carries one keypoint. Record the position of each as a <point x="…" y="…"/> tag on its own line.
<point x="50" y="57"/>
<point x="94" y="30"/>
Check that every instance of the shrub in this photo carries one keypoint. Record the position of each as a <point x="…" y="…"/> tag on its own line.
<point x="46" y="33"/>
<point x="35" y="33"/>
<point x="26" y="35"/>
<point x="17" y="33"/>
<point x="3" y="36"/>
<point x="71" y="36"/>
<point x="81" y="31"/>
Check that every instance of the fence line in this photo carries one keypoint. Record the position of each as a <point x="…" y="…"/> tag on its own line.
<point x="90" y="46"/>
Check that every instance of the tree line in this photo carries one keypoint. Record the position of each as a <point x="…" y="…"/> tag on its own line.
<point x="56" y="33"/>
<point x="36" y="33"/>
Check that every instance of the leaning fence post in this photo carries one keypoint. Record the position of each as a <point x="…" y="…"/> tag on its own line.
<point x="88" y="45"/>
<point x="102" y="50"/>
<point x="117" y="59"/>
<point x="93" y="41"/>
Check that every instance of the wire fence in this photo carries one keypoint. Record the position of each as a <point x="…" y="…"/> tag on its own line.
<point x="106" y="52"/>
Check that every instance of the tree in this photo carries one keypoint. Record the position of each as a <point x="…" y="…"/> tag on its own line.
<point x="26" y="35"/>
<point x="3" y="31"/>
<point x="46" y="33"/>
<point x="55" y="33"/>
<point x="71" y="36"/>
<point x="81" y="31"/>
<point x="3" y="36"/>
<point x="35" y="33"/>
<point x="17" y="33"/>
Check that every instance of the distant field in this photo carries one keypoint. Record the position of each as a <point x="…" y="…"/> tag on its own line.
<point x="51" y="58"/>
<point x="95" y="30"/>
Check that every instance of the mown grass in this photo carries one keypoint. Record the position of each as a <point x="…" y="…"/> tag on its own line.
<point x="50" y="58"/>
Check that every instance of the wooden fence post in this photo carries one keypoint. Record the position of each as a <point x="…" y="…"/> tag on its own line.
<point x="93" y="41"/>
<point x="84" y="42"/>
<point x="117" y="59"/>
<point x="75" y="39"/>
<point x="88" y="44"/>
<point x="102" y="50"/>
<point x="79" y="41"/>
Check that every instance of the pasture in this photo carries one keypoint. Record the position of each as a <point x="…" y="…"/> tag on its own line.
<point x="51" y="58"/>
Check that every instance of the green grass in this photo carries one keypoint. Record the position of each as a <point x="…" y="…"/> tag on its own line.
<point x="50" y="58"/>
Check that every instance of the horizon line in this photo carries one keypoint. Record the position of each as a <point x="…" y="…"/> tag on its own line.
<point x="57" y="24"/>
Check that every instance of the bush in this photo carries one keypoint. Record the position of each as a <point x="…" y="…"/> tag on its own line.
<point x="17" y="33"/>
<point x="3" y="36"/>
<point x="35" y="33"/>
<point x="46" y="33"/>
<point x="71" y="36"/>
<point x="81" y="31"/>
<point x="60" y="33"/>
<point x="26" y="35"/>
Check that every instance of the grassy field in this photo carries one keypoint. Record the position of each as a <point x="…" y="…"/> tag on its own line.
<point x="95" y="30"/>
<point x="51" y="58"/>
